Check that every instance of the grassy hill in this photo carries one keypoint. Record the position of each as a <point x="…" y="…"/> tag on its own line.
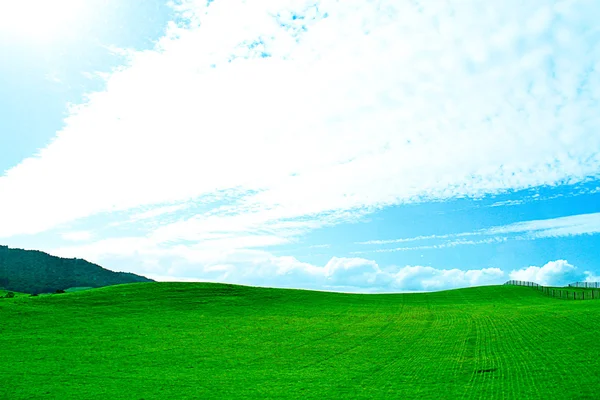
<point x="32" y="271"/>
<point x="188" y="340"/>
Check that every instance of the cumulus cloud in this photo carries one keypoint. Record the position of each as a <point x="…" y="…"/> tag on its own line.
<point x="553" y="273"/>
<point x="357" y="272"/>
<point x="262" y="268"/>
<point x="330" y="108"/>
<point x="429" y="278"/>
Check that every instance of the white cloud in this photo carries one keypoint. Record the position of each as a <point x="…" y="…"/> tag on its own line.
<point x="358" y="106"/>
<point x="158" y="211"/>
<point x="261" y="268"/>
<point x="353" y="272"/>
<point x="402" y="240"/>
<point x="77" y="236"/>
<point x="167" y="278"/>
<point x="428" y="278"/>
<point x="553" y="273"/>
<point x="573" y="225"/>
<point x="205" y="262"/>
<point x="319" y="246"/>
<point x="452" y="243"/>
<point x="591" y="277"/>
<point x="508" y="203"/>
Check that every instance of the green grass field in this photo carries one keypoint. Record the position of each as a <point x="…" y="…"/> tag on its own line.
<point x="198" y="341"/>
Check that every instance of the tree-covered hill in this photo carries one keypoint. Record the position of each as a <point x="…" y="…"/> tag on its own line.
<point x="32" y="271"/>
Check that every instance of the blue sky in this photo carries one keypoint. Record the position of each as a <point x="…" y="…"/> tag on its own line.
<point x="356" y="146"/>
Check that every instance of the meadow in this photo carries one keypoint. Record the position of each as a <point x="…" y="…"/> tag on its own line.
<point x="200" y="340"/>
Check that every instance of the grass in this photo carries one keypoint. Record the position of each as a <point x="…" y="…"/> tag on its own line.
<point x="188" y="340"/>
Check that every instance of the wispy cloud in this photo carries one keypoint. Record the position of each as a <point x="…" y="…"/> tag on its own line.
<point x="557" y="227"/>
<point x="451" y="243"/>
<point x="77" y="236"/>
<point x="582" y="224"/>
<point x="403" y="240"/>
<point x="508" y="203"/>
<point x="300" y="105"/>
<point x="319" y="246"/>
<point x="157" y="212"/>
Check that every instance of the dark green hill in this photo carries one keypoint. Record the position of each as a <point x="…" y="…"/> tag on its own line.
<point x="32" y="271"/>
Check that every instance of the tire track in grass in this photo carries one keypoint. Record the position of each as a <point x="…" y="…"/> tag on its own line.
<point x="463" y="355"/>
<point x="339" y="330"/>
<point x="533" y="334"/>
<point x="472" y="388"/>
<point x="411" y="358"/>
<point x="532" y="329"/>
<point x="519" y="356"/>
<point x="518" y="352"/>
<point x="481" y="383"/>
<point x="453" y="320"/>
<point x="395" y="358"/>
<point x="494" y="375"/>
<point x="512" y="345"/>
<point x="359" y="342"/>
<point x="468" y="347"/>
<point x="512" y="353"/>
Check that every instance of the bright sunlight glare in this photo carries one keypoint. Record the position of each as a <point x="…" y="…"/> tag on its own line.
<point x="39" y="19"/>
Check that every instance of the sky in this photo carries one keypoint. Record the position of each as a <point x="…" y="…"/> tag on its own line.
<point x="359" y="146"/>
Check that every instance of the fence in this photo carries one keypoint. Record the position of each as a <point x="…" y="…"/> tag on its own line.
<point x="522" y="283"/>
<point x="564" y="293"/>
<point x="585" y="285"/>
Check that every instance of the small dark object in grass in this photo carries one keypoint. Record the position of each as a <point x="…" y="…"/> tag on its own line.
<point x="483" y="371"/>
<point x="9" y="295"/>
<point x="33" y="295"/>
<point x="59" y="291"/>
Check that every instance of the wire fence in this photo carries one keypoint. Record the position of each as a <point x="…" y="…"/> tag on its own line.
<point x="523" y="283"/>
<point x="585" y="285"/>
<point x="565" y="293"/>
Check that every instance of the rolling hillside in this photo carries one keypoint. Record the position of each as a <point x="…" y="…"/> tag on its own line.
<point x="32" y="271"/>
<point x="188" y="340"/>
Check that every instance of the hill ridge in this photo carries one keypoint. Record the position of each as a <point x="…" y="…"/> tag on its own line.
<point x="34" y="271"/>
